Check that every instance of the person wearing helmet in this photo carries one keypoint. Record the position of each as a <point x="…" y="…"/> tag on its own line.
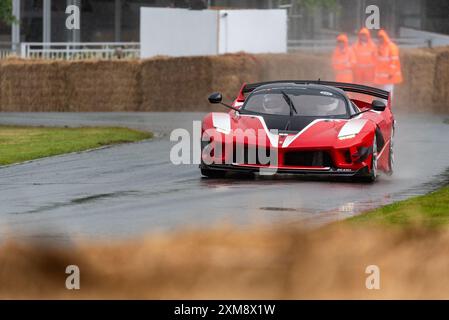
<point x="388" y="66"/>
<point x="365" y="53"/>
<point x="343" y="60"/>
<point x="274" y="104"/>
<point x="328" y="106"/>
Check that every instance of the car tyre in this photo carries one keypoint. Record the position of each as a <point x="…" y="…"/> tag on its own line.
<point x="373" y="173"/>
<point x="391" y="155"/>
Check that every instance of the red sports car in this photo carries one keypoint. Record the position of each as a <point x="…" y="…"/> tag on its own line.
<point x="301" y="127"/>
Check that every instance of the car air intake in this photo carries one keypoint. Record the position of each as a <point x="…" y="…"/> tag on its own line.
<point x="243" y="154"/>
<point x="308" y="159"/>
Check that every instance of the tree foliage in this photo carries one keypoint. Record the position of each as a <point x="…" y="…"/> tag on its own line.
<point x="6" y="15"/>
<point x="315" y="4"/>
<point x="312" y="4"/>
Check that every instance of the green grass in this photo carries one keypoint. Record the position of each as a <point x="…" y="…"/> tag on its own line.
<point x="431" y="210"/>
<point x="18" y="144"/>
<point x="446" y="121"/>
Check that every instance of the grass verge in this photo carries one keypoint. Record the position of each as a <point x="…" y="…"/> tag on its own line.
<point x="18" y="144"/>
<point x="430" y="210"/>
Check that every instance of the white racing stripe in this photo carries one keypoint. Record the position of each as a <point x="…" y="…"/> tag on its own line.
<point x="222" y="121"/>
<point x="351" y="127"/>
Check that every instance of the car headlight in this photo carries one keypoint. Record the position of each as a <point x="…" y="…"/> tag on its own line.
<point x="347" y="137"/>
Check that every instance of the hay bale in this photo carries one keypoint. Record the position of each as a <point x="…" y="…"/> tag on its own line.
<point x="441" y="83"/>
<point x="297" y="66"/>
<point x="32" y="86"/>
<point x="416" y="92"/>
<point x="103" y="86"/>
<point x="183" y="84"/>
<point x="173" y="84"/>
<point x="230" y="72"/>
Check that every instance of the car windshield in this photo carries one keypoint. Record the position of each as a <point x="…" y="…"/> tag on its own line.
<point x="296" y="102"/>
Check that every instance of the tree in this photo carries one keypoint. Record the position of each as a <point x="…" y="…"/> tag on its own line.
<point x="312" y="4"/>
<point x="6" y="15"/>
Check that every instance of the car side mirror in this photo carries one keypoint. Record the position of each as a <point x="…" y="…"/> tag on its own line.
<point x="215" y="98"/>
<point x="378" y="105"/>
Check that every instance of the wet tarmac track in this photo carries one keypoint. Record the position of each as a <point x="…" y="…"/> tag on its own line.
<point x="134" y="189"/>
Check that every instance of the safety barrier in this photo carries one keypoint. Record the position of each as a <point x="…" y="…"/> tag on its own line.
<point x="183" y="84"/>
<point x="328" y="45"/>
<point x="80" y="50"/>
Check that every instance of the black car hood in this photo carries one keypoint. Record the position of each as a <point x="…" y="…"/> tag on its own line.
<point x="287" y="124"/>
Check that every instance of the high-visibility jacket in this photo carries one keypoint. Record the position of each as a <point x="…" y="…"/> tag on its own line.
<point x="388" y="66"/>
<point x="343" y="60"/>
<point x="365" y="54"/>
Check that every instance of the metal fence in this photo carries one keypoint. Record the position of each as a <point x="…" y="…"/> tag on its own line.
<point x="80" y="50"/>
<point x="7" y="49"/>
<point x="329" y="45"/>
<point x="131" y="50"/>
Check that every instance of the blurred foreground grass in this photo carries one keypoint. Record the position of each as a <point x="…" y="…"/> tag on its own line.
<point x="18" y="144"/>
<point x="281" y="262"/>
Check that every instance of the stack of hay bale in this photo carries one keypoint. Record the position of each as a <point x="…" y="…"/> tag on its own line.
<point x="183" y="84"/>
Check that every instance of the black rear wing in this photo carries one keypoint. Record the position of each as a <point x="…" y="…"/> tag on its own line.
<point x="349" y="87"/>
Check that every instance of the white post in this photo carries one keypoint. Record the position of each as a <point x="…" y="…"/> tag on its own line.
<point x="23" y="50"/>
<point x="47" y="21"/>
<point x="77" y="33"/>
<point x="46" y="27"/>
<point x="15" y="28"/>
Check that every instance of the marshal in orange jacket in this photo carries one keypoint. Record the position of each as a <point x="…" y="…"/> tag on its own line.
<point x="365" y="52"/>
<point x="388" y="66"/>
<point x="343" y="60"/>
